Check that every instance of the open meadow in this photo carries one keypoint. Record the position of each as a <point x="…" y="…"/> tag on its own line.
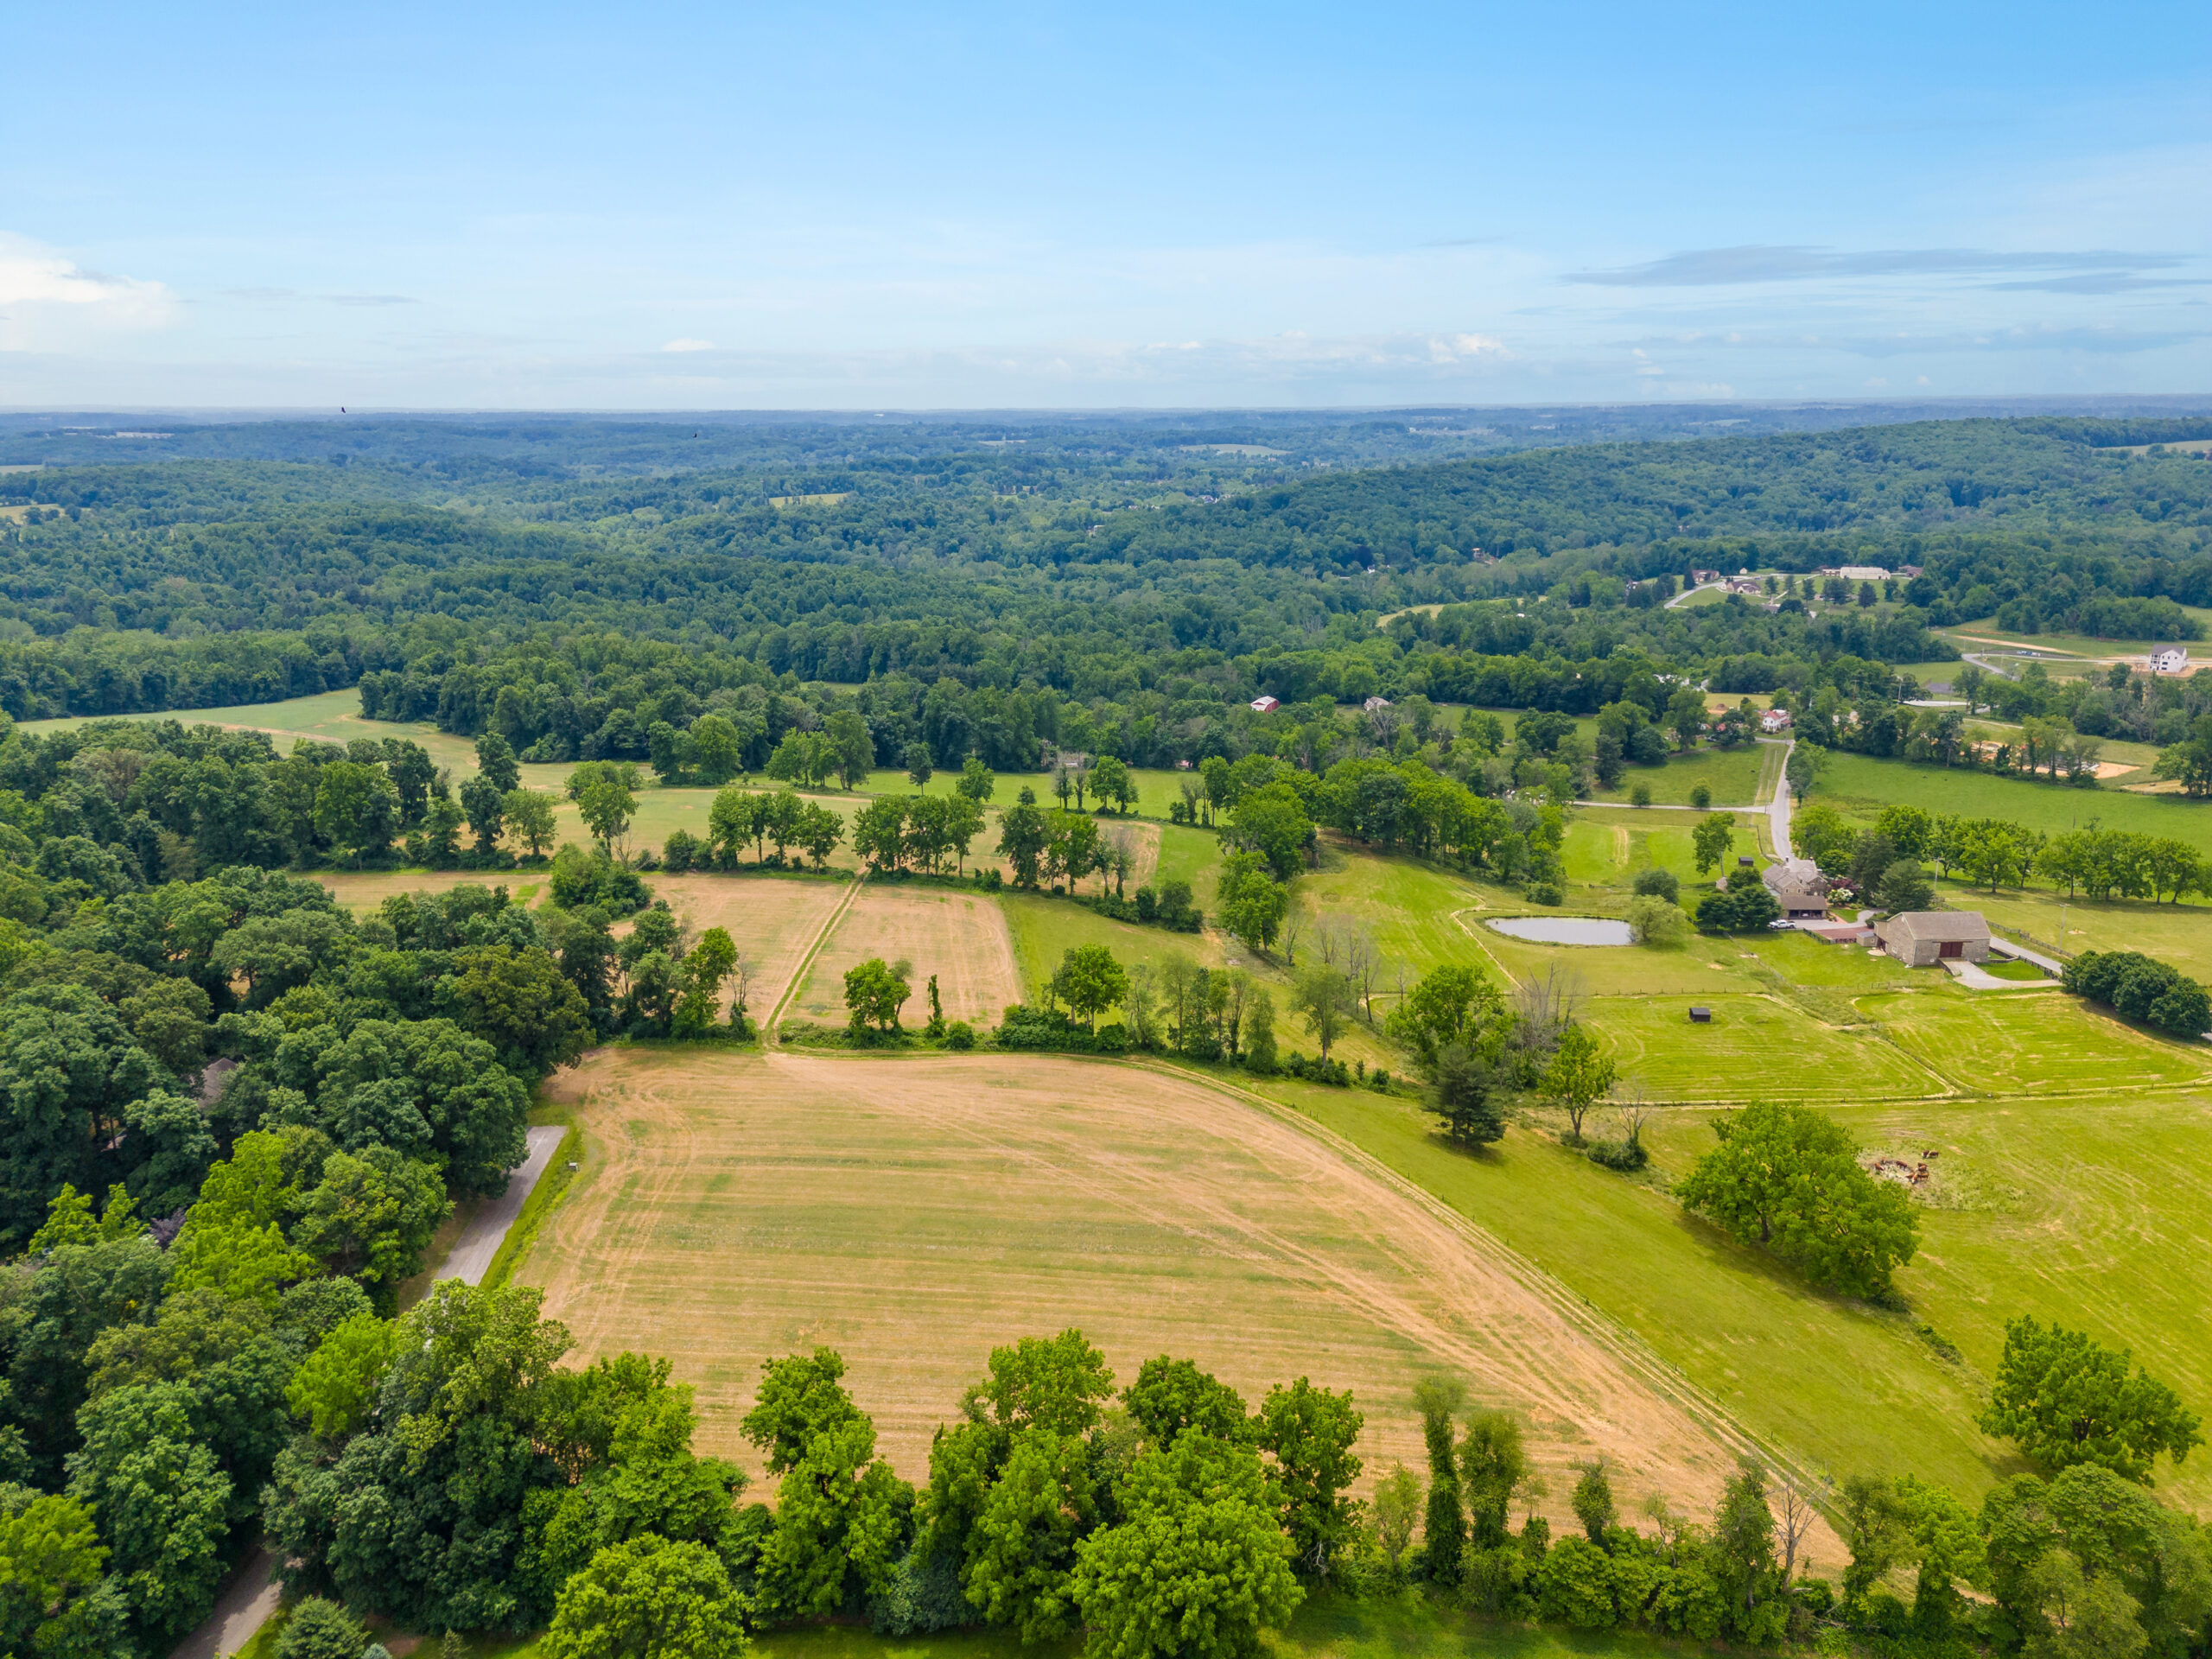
<point x="912" y="1213"/>
<point x="1860" y="785"/>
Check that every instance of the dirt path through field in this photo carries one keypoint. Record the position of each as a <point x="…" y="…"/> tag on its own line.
<point x="913" y="1213"/>
<point x="773" y="920"/>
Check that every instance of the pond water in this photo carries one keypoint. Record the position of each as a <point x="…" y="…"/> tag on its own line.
<point x="1566" y="930"/>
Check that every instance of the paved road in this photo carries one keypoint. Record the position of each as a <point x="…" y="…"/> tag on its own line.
<point x="1686" y="592"/>
<point x="250" y="1597"/>
<point x="1777" y="810"/>
<point x="470" y="1259"/>
<point x="243" y="1608"/>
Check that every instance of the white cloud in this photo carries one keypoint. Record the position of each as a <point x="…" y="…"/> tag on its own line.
<point x="689" y="346"/>
<point x="33" y="274"/>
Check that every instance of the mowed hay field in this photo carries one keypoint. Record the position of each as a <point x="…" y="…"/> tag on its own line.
<point x="362" y="891"/>
<point x="959" y="936"/>
<point x="2033" y="1042"/>
<point x="914" y="1213"/>
<point x="773" y="921"/>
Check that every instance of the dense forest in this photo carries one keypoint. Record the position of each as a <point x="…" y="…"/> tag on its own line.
<point x="1099" y="573"/>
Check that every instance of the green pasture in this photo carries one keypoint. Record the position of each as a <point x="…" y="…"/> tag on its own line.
<point x="1803" y="960"/>
<point x="1607" y="848"/>
<point x="1845" y="1386"/>
<point x="2180" y="934"/>
<point x="2086" y="1211"/>
<point x="1756" y="1048"/>
<point x="1045" y="930"/>
<point x="1859" y="786"/>
<point x="1733" y="775"/>
<point x="1993" y="1042"/>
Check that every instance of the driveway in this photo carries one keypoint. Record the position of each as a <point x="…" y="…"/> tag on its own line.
<point x="470" y="1259"/>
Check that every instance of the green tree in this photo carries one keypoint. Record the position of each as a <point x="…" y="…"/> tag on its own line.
<point x="717" y="751"/>
<point x="1592" y="1502"/>
<point x="518" y="1001"/>
<point x="1713" y="840"/>
<point x="1579" y="1076"/>
<point x="484" y="805"/>
<point x="495" y="761"/>
<point x="1022" y="841"/>
<point x="873" y="993"/>
<point x="530" y="817"/>
<point x="1088" y="981"/>
<point x="1253" y="903"/>
<point x="605" y="792"/>
<point x="851" y="745"/>
<point x="1197" y="1567"/>
<point x="1803" y="768"/>
<point x="649" y="1598"/>
<point x="1903" y="885"/>
<point x="919" y="768"/>
<point x="1257" y="1037"/>
<point x="50" y="1565"/>
<point x="2065" y="1399"/>
<point x="1323" y="997"/>
<point x="336" y="1384"/>
<point x="1396" y="1508"/>
<point x="1171" y="1398"/>
<point x="1574" y="1584"/>
<point x="1311" y="1431"/>
<point x="1021" y="1550"/>
<point x="1444" y="1539"/>
<point x="705" y="967"/>
<point x="372" y="1216"/>
<point x="1685" y="715"/>
<point x="1464" y="1089"/>
<point x="321" y="1629"/>
<point x="356" y="808"/>
<point x="1788" y="1179"/>
<point x="1110" y="781"/>
<point x="1741" y="1557"/>
<point x="164" y="1504"/>
<point x="976" y="780"/>
<point x="1454" y="1004"/>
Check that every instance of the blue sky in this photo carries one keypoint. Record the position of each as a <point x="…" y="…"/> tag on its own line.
<point x="658" y="206"/>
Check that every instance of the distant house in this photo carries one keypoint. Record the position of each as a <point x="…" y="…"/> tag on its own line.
<point x="1907" y="571"/>
<point x="1373" y="703"/>
<point x="1863" y="573"/>
<point x="1266" y="705"/>
<point x="1743" y="585"/>
<point x="2174" y="660"/>
<point x="1775" y="720"/>
<point x="1799" y="887"/>
<point x="1699" y="578"/>
<point x="1071" y="760"/>
<point x="1920" y="938"/>
<point x="1183" y="765"/>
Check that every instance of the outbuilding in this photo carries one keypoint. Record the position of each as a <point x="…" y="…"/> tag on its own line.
<point x="1920" y="938"/>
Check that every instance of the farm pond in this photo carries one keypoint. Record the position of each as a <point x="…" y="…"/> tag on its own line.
<point x="1565" y="929"/>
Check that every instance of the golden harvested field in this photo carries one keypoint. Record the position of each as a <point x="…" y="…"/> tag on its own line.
<point x="362" y="891"/>
<point x="773" y="920"/>
<point x="913" y="1213"/>
<point x="961" y="937"/>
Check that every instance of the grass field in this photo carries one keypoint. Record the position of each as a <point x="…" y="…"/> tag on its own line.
<point x="2039" y="1042"/>
<point x="1859" y="786"/>
<point x="1756" y="1048"/>
<point x="2086" y="1211"/>
<point x="1733" y="775"/>
<point x="961" y="937"/>
<point x="362" y="891"/>
<point x="734" y="1206"/>
<point x="1844" y="1385"/>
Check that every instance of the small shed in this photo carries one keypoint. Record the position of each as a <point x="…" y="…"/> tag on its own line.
<point x="1920" y="938"/>
<point x="1700" y="1016"/>
<point x="1265" y="705"/>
